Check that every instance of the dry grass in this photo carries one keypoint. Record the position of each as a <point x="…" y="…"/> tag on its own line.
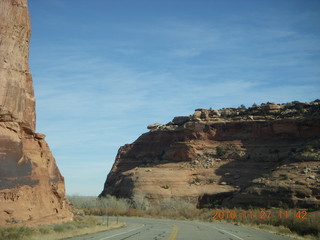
<point x="290" y="222"/>
<point x="281" y="230"/>
<point x="281" y="221"/>
<point x="80" y="226"/>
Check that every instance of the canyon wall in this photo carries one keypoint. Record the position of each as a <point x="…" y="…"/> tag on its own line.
<point x="266" y="155"/>
<point x="31" y="187"/>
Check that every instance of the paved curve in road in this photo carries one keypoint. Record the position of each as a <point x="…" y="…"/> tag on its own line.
<point x="162" y="229"/>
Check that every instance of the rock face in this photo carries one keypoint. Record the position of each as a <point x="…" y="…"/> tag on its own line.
<point x="266" y="155"/>
<point x="31" y="186"/>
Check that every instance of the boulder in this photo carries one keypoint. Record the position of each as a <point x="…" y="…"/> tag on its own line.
<point x="181" y="120"/>
<point x="154" y="126"/>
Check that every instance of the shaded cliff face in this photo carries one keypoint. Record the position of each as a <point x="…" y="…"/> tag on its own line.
<point x="31" y="186"/>
<point x="266" y="155"/>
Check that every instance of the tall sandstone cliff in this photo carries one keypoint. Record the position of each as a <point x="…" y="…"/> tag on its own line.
<point x="266" y="155"/>
<point x="31" y="186"/>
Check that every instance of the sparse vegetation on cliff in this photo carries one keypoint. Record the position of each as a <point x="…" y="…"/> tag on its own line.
<point x="220" y="151"/>
<point x="266" y="157"/>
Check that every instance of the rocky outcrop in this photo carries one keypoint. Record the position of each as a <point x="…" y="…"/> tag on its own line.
<point x="154" y="126"/>
<point x="31" y="186"/>
<point x="267" y="155"/>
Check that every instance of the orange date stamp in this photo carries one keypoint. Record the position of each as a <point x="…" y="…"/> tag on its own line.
<point x="262" y="214"/>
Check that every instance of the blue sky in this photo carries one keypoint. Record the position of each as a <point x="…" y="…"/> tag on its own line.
<point x="105" y="69"/>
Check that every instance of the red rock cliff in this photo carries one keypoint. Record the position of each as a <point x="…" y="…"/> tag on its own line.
<point x="266" y="155"/>
<point x="31" y="186"/>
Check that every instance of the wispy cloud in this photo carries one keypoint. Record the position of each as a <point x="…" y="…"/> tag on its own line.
<point x="98" y="92"/>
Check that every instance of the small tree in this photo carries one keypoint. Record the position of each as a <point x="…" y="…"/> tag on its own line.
<point x="242" y="106"/>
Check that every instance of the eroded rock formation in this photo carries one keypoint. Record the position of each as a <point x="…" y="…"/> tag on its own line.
<point x="267" y="155"/>
<point x="31" y="186"/>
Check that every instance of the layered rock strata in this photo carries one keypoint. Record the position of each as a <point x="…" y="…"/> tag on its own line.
<point x="31" y="187"/>
<point x="267" y="155"/>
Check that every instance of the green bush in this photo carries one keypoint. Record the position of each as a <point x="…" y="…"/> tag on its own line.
<point x="44" y="229"/>
<point x="15" y="233"/>
<point x="62" y="227"/>
<point x="220" y="151"/>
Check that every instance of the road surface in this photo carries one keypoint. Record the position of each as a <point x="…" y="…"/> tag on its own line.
<point x="162" y="229"/>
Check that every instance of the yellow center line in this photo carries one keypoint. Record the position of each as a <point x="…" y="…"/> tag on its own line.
<point x="174" y="233"/>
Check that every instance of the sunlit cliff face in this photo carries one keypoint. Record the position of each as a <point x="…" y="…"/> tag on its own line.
<point x="262" y="156"/>
<point x="31" y="186"/>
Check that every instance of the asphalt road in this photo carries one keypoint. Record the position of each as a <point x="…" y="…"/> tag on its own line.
<point x="161" y="229"/>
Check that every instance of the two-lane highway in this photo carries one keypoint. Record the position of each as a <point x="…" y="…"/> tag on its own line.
<point x="163" y="229"/>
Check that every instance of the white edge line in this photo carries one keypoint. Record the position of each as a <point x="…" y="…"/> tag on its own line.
<point x="122" y="232"/>
<point x="227" y="233"/>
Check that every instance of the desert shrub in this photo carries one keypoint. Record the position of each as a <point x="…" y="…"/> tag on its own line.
<point x="140" y="201"/>
<point x="135" y="213"/>
<point x="82" y="201"/>
<point x="62" y="227"/>
<point x="83" y="222"/>
<point x="220" y="151"/>
<point x="44" y="229"/>
<point x="175" y="208"/>
<point x="111" y="202"/>
<point x="175" y="204"/>
<point x="108" y="205"/>
<point x="16" y="233"/>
